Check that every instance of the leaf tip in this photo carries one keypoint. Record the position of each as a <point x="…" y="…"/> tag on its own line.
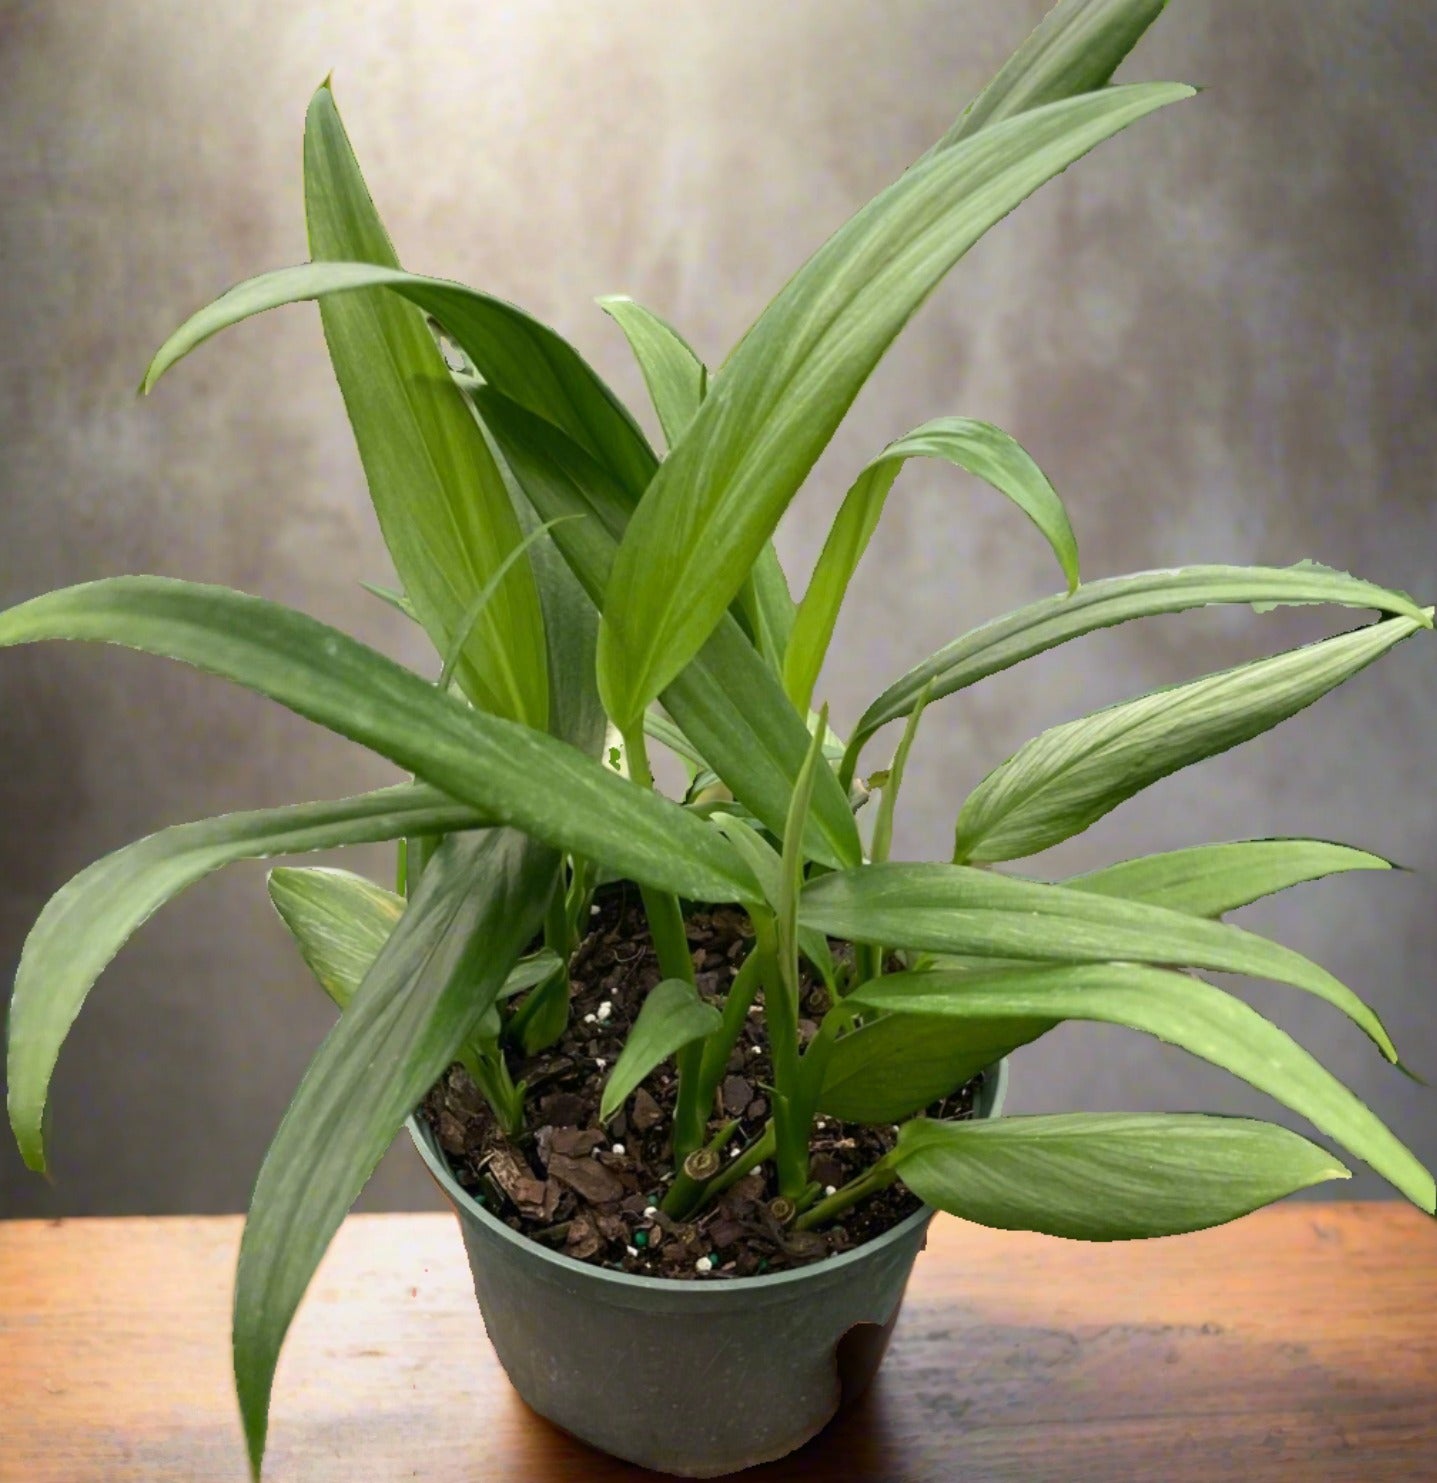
<point x="33" y="1154"/>
<point x="254" y="1413"/>
<point x="153" y="372"/>
<point x="1409" y="1073"/>
<point x="29" y="1136"/>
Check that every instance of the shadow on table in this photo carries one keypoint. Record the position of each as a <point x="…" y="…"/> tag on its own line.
<point x="979" y="1399"/>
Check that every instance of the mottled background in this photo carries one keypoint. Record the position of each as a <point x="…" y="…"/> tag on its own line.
<point x="1216" y="334"/>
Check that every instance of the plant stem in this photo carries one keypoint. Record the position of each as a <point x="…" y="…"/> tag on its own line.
<point x="781" y="1021"/>
<point x="671" y="943"/>
<point x="760" y="1149"/>
<point x="559" y="932"/>
<point x="666" y="918"/>
<point x="880" y="1176"/>
<point x="808" y="1197"/>
<point x="491" y="1075"/>
<point x="580" y="895"/>
<point x="544" y="1015"/>
<point x="719" y="1046"/>
<point x="695" y="1173"/>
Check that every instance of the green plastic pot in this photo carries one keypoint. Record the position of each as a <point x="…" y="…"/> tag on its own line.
<point x="695" y="1378"/>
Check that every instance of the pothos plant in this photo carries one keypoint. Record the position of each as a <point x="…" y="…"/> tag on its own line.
<point x="588" y="598"/>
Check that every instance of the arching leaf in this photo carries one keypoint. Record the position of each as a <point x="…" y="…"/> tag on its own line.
<point x="981" y="449"/>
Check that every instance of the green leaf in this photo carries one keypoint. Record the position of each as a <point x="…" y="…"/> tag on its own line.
<point x="768" y="604"/>
<point x="814" y="947"/>
<point x="678" y="382"/>
<point x="480" y="899"/>
<point x="1176" y="1008"/>
<point x="896" y="1064"/>
<point x="891" y="785"/>
<point x="1107" y="1176"/>
<point x="529" y="972"/>
<point x="762" y="860"/>
<point x="797" y="1079"/>
<point x="662" y="729"/>
<point x="393" y="599"/>
<point x="671" y="1017"/>
<point x="728" y="702"/>
<point x="1062" y="781"/>
<point x="515" y="354"/>
<point x="571" y="630"/>
<point x="89" y="920"/>
<point x="1211" y="880"/>
<point x="981" y="449"/>
<point x="482" y="599"/>
<point x="544" y="1016"/>
<point x="791" y="860"/>
<point x="442" y="506"/>
<point x="769" y="413"/>
<point x="339" y="922"/>
<point x="675" y="376"/>
<point x="767" y="868"/>
<point x="958" y="909"/>
<point x="1044" y="625"/>
<point x="1075" y="49"/>
<point x="512" y="773"/>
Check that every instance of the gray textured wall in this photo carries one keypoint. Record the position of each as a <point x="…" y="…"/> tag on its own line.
<point x="1217" y="335"/>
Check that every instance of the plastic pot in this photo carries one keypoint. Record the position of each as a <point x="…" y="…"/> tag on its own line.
<point x="695" y="1378"/>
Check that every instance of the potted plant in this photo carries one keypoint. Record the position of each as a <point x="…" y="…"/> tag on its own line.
<point x="696" y="1070"/>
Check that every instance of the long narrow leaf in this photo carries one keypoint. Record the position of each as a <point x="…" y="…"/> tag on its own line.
<point x="1174" y="1007"/>
<point x="890" y="787"/>
<point x="675" y="376"/>
<point x="728" y="702"/>
<point x="1030" y="630"/>
<point x="678" y="382"/>
<point x="771" y="410"/>
<point x="1214" y="879"/>
<point x="340" y="921"/>
<point x="980" y="448"/>
<point x="772" y="613"/>
<point x="89" y="920"/>
<point x="514" y="353"/>
<point x="478" y="902"/>
<point x="1075" y="49"/>
<point x="664" y="729"/>
<point x="571" y="633"/>
<point x="1107" y="1176"/>
<point x="459" y="640"/>
<point x="959" y="909"/>
<point x="442" y="506"/>
<point x="671" y="1017"/>
<point x="897" y="1064"/>
<point x="515" y="774"/>
<point x="1062" y="781"/>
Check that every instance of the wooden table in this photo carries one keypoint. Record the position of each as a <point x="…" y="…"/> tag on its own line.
<point x="1300" y="1343"/>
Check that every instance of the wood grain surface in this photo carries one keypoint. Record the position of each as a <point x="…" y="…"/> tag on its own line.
<point x="1299" y="1343"/>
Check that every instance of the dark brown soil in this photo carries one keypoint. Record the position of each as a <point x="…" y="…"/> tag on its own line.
<point x="592" y="1190"/>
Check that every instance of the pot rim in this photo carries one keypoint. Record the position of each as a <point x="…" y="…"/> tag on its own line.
<point x="469" y="1207"/>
